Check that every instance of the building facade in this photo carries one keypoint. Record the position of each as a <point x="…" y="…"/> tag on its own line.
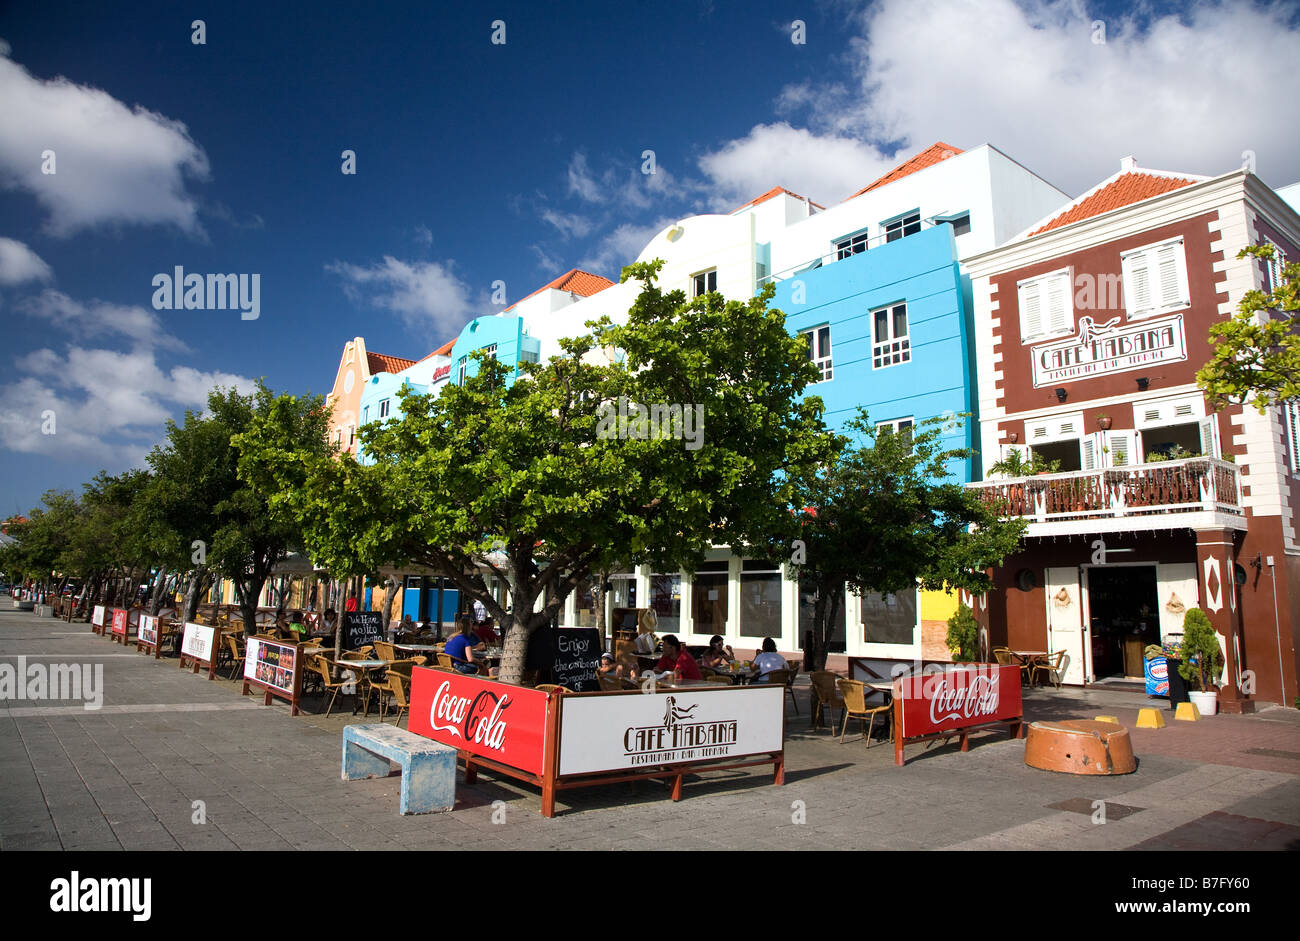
<point x="1093" y="324"/>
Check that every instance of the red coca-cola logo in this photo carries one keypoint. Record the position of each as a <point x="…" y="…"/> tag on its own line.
<point x="479" y="720"/>
<point x="979" y="697"/>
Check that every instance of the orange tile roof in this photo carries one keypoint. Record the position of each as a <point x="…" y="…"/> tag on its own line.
<point x="378" y="362"/>
<point x="773" y="192"/>
<point x="575" y="280"/>
<point x="935" y="153"/>
<point x="444" y="350"/>
<point x="1124" y="190"/>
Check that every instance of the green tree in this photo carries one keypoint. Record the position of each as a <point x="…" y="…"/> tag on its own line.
<point x="1257" y="351"/>
<point x="225" y="522"/>
<point x="528" y="482"/>
<point x="888" y="516"/>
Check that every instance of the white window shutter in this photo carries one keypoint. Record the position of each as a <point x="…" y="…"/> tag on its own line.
<point x="1031" y="313"/>
<point x="1088" y="452"/>
<point x="1210" y="436"/>
<point x="1121" y="448"/>
<point x="1291" y="415"/>
<point x="1058" y="296"/>
<point x="1137" y="283"/>
<point x="1167" y="265"/>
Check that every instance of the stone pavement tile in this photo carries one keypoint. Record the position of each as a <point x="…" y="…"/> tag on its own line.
<point x="1280" y="803"/>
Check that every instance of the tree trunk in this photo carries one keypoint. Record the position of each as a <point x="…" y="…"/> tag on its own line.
<point x="390" y="595"/>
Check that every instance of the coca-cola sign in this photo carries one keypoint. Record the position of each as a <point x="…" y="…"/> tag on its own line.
<point x="958" y="697"/>
<point x="496" y="720"/>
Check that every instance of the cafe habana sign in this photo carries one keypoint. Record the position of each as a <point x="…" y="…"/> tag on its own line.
<point x="1098" y="349"/>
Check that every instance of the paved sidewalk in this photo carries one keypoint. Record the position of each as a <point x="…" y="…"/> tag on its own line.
<point x="175" y="761"/>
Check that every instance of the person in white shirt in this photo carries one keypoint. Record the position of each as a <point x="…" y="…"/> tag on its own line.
<point x="480" y="611"/>
<point x="767" y="661"/>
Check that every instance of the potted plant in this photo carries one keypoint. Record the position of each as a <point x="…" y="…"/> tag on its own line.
<point x="1013" y="465"/>
<point x="1202" y="660"/>
<point x="1103" y="421"/>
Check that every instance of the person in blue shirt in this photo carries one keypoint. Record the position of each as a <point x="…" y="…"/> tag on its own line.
<point x="461" y="647"/>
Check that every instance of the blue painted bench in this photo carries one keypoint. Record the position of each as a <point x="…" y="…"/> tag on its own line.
<point x="428" y="767"/>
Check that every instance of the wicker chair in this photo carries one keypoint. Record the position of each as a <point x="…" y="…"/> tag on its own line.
<point x="1051" y="666"/>
<point x="322" y="668"/>
<point x="553" y="688"/>
<point x="789" y="685"/>
<point x="236" y="655"/>
<point x="825" y="695"/>
<point x="1004" y="656"/>
<point x="385" y="651"/>
<point x="855" y="707"/>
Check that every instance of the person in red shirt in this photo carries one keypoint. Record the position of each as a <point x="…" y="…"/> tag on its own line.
<point x="677" y="658"/>
<point x="350" y="604"/>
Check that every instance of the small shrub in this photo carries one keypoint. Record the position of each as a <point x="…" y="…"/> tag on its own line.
<point x="963" y="635"/>
<point x="1202" y="659"/>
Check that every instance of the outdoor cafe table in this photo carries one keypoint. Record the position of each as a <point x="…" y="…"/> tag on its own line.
<point x="1030" y="658"/>
<point x="420" y="648"/>
<point x="365" y="666"/>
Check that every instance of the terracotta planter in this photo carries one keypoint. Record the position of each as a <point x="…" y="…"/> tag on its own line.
<point x="1104" y="424"/>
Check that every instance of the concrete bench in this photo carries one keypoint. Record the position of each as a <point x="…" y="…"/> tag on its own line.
<point x="428" y="768"/>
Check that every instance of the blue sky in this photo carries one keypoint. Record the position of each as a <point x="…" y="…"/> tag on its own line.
<point x="477" y="162"/>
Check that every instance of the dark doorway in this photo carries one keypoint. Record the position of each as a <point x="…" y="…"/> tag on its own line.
<point x="1125" y="617"/>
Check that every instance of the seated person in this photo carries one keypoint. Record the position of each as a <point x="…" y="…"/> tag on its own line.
<point x="331" y="620"/>
<point x="609" y="667"/>
<point x="461" y="647"/>
<point x="297" y="627"/>
<point x="405" y="626"/>
<point x="487" y="632"/>
<point x="768" y="660"/>
<point x="718" y="656"/>
<point x="676" y="658"/>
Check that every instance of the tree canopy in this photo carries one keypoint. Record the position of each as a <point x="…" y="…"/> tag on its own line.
<point x="539" y="483"/>
<point x="1257" y="351"/>
<point x="886" y="516"/>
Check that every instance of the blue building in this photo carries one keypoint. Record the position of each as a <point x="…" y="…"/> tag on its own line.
<point x="889" y="328"/>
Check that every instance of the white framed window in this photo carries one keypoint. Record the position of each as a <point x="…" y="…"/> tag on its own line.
<point x="365" y="414"/>
<point x="851" y="245"/>
<point x="1046" y="306"/>
<point x="819" y="349"/>
<point x="338" y="437"/>
<point x="961" y="225"/>
<point x="894" y="427"/>
<point x="704" y="282"/>
<point x="903" y="226"/>
<point x="490" y="351"/>
<point x="1155" y="279"/>
<point x="890" y="344"/>
<point x="1291" y="418"/>
<point x="462" y="365"/>
<point x="383" y="408"/>
<point x="352" y="435"/>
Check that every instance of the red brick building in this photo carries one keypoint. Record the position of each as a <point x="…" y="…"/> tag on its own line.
<point x="1089" y="330"/>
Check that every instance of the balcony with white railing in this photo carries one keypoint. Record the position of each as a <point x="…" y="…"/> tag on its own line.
<point x="1196" y="493"/>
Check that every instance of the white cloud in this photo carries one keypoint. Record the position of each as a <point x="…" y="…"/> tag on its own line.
<point x="621" y="247"/>
<point x="106" y="406"/>
<point x="18" y="264"/>
<point x="1189" y="92"/>
<point x="825" y="168"/>
<point x="427" y="295"/>
<point x="100" y="318"/>
<point x="113" y="164"/>
<point x="568" y="224"/>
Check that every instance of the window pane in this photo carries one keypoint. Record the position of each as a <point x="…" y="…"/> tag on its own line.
<point x="824" y="342"/>
<point x="912" y="224"/>
<point x="882" y="325"/>
<point x="807" y="612"/>
<point x="900" y="321"/>
<point x="666" y="599"/>
<point x="760" y="604"/>
<point x="584" y="606"/>
<point x="709" y="602"/>
<point x="889" y="619"/>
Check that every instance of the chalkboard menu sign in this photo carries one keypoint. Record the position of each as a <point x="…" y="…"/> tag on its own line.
<point x="577" y="656"/>
<point x="362" y="627"/>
